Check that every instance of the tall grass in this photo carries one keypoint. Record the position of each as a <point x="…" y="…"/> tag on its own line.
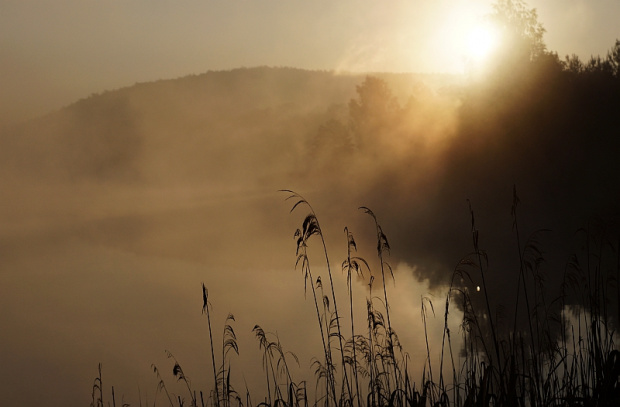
<point x="564" y="354"/>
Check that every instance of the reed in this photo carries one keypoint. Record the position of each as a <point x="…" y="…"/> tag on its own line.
<point x="567" y="355"/>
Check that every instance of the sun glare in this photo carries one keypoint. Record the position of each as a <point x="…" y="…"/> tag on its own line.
<point x="481" y="42"/>
<point x="464" y="39"/>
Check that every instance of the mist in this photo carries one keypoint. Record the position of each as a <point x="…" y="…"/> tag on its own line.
<point x="116" y="208"/>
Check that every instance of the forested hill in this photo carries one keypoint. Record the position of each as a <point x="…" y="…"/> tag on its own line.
<point x="177" y="129"/>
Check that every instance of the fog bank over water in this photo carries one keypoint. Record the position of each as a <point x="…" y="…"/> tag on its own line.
<point x="116" y="208"/>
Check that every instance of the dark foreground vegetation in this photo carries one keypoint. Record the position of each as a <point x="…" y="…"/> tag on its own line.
<point x="565" y="354"/>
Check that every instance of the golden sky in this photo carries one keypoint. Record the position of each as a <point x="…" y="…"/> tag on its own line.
<point x="54" y="52"/>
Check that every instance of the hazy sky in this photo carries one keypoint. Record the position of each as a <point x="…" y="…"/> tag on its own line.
<point x="54" y="52"/>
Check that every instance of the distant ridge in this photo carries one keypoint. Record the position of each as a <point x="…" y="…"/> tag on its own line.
<point x="116" y="133"/>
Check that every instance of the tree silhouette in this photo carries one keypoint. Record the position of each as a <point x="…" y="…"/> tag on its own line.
<point x="605" y="68"/>
<point x="613" y="58"/>
<point x="520" y="28"/>
<point x="373" y="112"/>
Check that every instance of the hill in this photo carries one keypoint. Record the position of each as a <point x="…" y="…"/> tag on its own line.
<point x="173" y="130"/>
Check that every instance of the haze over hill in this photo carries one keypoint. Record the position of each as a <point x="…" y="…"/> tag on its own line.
<point x="116" y="207"/>
<point x="53" y="53"/>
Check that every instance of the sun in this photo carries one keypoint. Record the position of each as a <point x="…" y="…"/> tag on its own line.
<point x="481" y="41"/>
<point x="465" y="39"/>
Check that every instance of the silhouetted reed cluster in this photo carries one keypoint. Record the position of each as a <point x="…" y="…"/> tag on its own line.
<point x="561" y="353"/>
